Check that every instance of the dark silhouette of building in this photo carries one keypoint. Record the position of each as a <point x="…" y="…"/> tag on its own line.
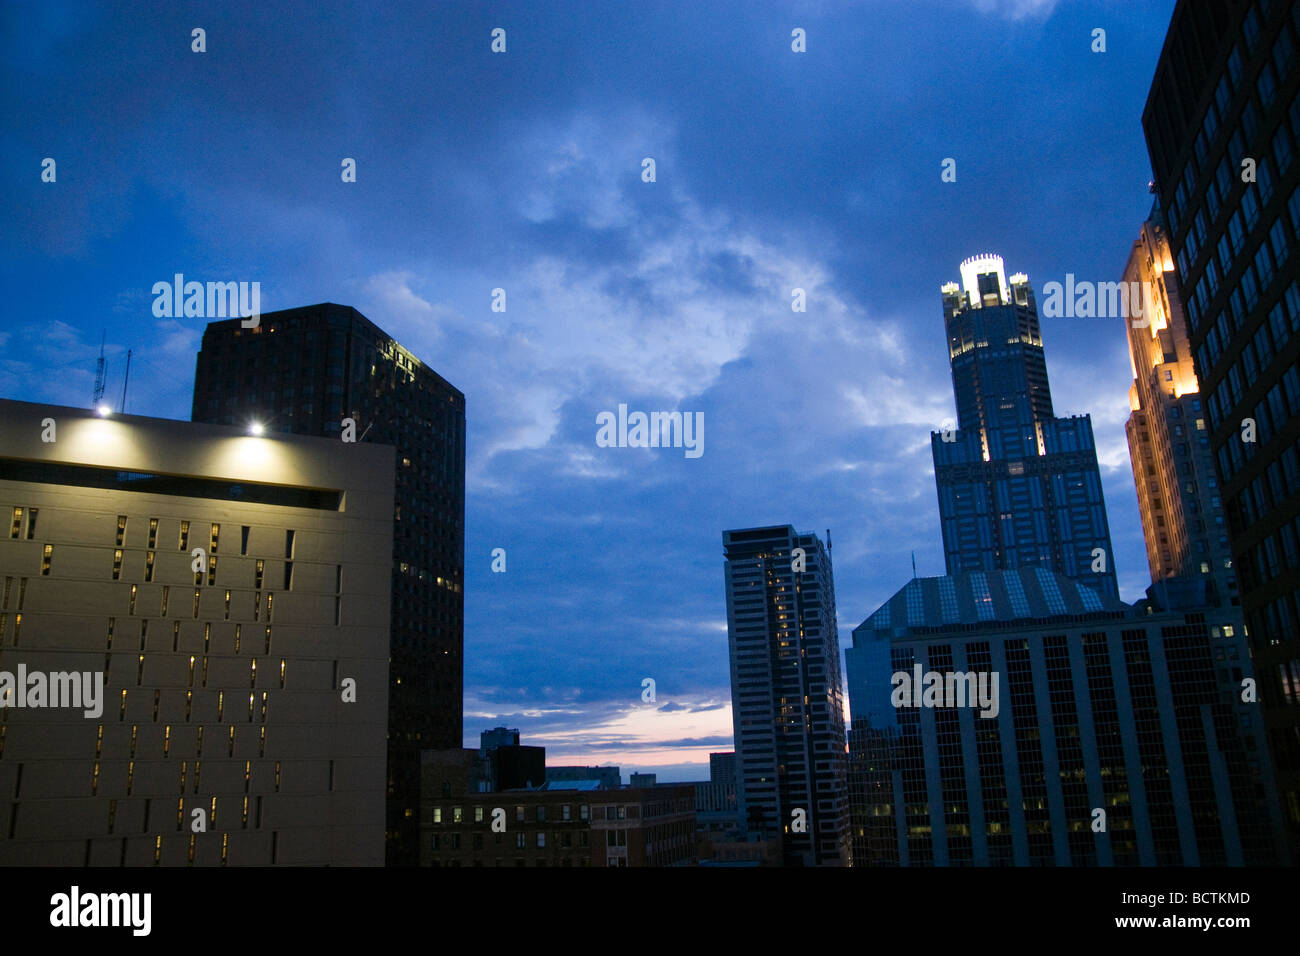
<point x="1222" y="126"/>
<point x="327" y="370"/>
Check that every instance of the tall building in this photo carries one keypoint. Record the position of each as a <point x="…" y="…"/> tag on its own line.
<point x="231" y="593"/>
<point x="1017" y="486"/>
<point x="722" y="767"/>
<point x="1222" y="126"/>
<point x="327" y="370"/>
<point x="1064" y="728"/>
<point x="787" y="702"/>
<point x="1168" y="441"/>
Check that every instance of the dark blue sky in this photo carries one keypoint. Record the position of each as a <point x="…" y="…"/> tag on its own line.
<point x="522" y="170"/>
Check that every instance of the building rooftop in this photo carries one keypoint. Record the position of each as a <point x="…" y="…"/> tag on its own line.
<point x="974" y="597"/>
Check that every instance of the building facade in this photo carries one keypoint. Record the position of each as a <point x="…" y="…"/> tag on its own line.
<point x="1168" y="441"/>
<point x="787" y="702"/>
<point x="327" y="370"/>
<point x="1222" y="124"/>
<point x="1110" y="735"/>
<point x="232" y="592"/>
<point x="1018" y="487"/>
<point x="647" y="826"/>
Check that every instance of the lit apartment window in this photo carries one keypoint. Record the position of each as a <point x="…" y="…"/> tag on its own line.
<point x="157" y="850"/>
<point x="130" y="776"/>
<point x="261" y="747"/>
<point x="221" y="705"/>
<point x="189" y="705"/>
<point x="263" y="706"/>
<point x="232" y="741"/>
<point x="117" y="565"/>
<point x="225" y="846"/>
<point x="121" y="530"/>
<point x="252" y="673"/>
<point x="131" y="604"/>
<point x="437" y="814"/>
<point x="139" y="673"/>
<point x="48" y="557"/>
<point x="121" y="714"/>
<point x="250" y="707"/>
<point x="183" y="543"/>
<point x="167" y="740"/>
<point x="478" y="814"/>
<point x="197" y="592"/>
<point x="192" y="660"/>
<point x="153" y="532"/>
<point x="212" y="570"/>
<point x="18" y="523"/>
<point x="270" y="604"/>
<point x="148" y="567"/>
<point x="94" y="779"/>
<point x="257" y="577"/>
<point x="216" y="532"/>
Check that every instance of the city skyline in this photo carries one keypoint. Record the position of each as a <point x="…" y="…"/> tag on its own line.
<point x="667" y="295"/>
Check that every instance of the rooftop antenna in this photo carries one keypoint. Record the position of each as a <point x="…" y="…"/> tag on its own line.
<point x="913" y="564"/>
<point x="100" y="368"/>
<point x="125" y="379"/>
<point x="828" y="540"/>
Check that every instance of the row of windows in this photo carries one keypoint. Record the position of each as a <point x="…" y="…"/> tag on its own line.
<point x="1271" y="415"/>
<point x="457" y="814"/>
<point x="183" y="536"/>
<point x="1278" y="552"/>
<point x="1269" y="339"/>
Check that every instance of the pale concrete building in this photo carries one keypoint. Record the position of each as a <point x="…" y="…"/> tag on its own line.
<point x="224" y="687"/>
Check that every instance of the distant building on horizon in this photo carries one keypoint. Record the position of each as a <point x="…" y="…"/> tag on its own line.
<point x="722" y="767"/>
<point x="1018" y="487"/>
<point x="232" y="593"/>
<point x="1093" y="707"/>
<point x="787" y="702"/>
<point x="1223" y="131"/>
<point x="327" y="370"/>
<point x="609" y="778"/>
<point x="574" y="824"/>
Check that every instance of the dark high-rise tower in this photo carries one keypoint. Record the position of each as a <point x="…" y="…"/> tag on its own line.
<point x="786" y="696"/>
<point x="1222" y="124"/>
<point x="305" y="371"/>
<point x="1017" y="486"/>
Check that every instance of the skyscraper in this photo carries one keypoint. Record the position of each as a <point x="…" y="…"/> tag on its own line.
<point x="1017" y="486"/>
<point x="786" y="698"/>
<point x="1168" y="441"/>
<point x="1222" y="124"/>
<point x="327" y="370"/>
<point x="1066" y="728"/>
<point x="223" y="589"/>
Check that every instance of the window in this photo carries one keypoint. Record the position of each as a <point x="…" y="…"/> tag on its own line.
<point x="288" y="545"/>
<point x="184" y="540"/>
<point x="31" y="522"/>
<point x="18" y="523"/>
<point x="117" y="565"/>
<point x="121" y="529"/>
<point x="45" y="561"/>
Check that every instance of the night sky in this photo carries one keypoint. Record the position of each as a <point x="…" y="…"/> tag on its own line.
<point x="523" y="171"/>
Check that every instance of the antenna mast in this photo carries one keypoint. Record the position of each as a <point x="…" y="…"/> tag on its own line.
<point x="126" y="379"/>
<point x="100" y="369"/>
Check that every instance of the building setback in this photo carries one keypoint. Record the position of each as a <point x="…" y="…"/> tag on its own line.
<point x="1222" y="125"/>
<point x="1018" y="487"/>
<point x="224" y="687"/>
<point x="787" y="702"/>
<point x="1108" y="708"/>
<point x="308" y="370"/>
